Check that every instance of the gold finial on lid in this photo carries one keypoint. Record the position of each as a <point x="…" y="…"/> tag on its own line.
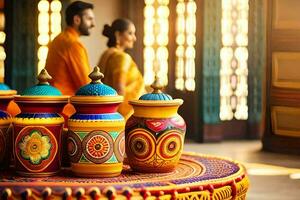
<point x="44" y="77"/>
<point x="157" y="85"/>
<point x="96" y="75"/>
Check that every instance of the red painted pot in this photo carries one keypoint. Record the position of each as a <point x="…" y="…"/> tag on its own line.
<point x="155" y="132"/>
<point x="38" y="129"/>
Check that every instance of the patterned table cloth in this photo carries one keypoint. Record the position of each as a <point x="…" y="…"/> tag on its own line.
<point x="197" y="176"/>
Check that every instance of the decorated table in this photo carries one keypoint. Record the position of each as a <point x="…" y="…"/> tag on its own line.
<point x="197" y="176"/>
<point x="96" y="139"/>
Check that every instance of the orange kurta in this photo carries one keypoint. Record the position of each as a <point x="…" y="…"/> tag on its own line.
<point x="121" y="73"/>
<point x="67" y="62"/>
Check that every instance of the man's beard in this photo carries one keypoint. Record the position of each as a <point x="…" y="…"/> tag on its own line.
<point x="83" y="29"/>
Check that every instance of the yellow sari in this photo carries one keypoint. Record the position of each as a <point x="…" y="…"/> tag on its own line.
<point x="121" y="73"/>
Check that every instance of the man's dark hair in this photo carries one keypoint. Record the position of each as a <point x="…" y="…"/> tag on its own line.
<point x="76" y="8"/>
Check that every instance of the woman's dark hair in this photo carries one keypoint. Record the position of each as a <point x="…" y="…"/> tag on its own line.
<point x="76" y="8"/>
<point x="120" y="25"/>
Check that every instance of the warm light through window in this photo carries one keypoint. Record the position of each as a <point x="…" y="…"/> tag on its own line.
<point x="49" y="26"/>
<point x="156" y="29"/>
<point x="234" y="56"/>
<point x="185" y="40"/>
<point x="2" y="50"/>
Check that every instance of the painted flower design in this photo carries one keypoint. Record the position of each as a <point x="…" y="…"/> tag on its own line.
<point x="35" y="147"/>
<point x="98" y="146"/>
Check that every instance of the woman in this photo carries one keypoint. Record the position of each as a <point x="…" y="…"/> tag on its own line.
<point x="120" y="71"/>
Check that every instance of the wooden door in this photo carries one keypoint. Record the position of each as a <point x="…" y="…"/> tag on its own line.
<point x="282" y="133"/>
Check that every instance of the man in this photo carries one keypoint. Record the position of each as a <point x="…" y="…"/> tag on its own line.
<point x="67" y="60"/>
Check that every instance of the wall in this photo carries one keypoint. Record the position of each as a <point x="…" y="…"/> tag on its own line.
<point x="105" y="12"/>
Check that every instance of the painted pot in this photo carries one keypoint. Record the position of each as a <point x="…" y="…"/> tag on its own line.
<point x="155" y="132"/>
<point x="6" y="95"/>
<point x="96" y="139"/>
<point x="38" y="129"/>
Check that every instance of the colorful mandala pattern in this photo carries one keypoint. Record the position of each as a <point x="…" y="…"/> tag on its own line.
<point x="74" y="147"/>
<point x="141" y="144"/>
<point x="2" y="145"/>
<point x="155" y="144"/>
<point x="35" y="147"/>
<point x="98" y="146"/>
<point x="119" y="146"/>
<point x="169" y="145"/>
<point x="197" y="176"/>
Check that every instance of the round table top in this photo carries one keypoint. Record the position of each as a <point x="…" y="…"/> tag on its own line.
<point x="196" y="174"/>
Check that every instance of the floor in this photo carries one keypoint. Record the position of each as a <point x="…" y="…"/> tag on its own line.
<point x="272" y="176"/>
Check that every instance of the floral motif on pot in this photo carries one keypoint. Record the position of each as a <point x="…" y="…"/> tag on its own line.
<point x="98" y="146"/>
<point x="36" y="148"/>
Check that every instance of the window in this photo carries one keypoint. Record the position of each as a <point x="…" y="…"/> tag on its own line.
<point x="49" y="26"/>
<point x="234" y="56"/>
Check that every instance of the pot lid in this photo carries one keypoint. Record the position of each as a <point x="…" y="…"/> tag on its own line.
<point x="4" y="86"/>
<point x="96" y="92"/>
<point x="157" y="94"/>
<point x="43" y="88"/>
<point x="42" y="92"/>
<point x="157" y="97"/>
<point x="96" y="87"/>
<point x="6" y="91"/>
